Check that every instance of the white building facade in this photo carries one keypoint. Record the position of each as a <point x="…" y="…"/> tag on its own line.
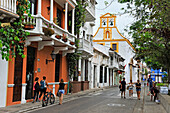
<point x="108" y="35"/>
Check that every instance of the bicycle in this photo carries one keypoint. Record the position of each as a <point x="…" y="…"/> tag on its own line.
<point x="48" y="97"/>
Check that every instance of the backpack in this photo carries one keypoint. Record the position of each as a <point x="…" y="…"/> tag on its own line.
<point x="42" y="84"/>
<point x="37" y="86"/>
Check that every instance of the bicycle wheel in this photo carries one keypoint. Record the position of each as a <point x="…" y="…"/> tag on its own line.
<point x="45" y="101"/>
<point x="52" y="98"/>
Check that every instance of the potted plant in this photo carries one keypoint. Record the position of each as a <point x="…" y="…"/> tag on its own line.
<point x="55" y="20"/>
<point x="58" y="36"/>
<point x="29" y="25"/>
<point x="64" y="38"/>
<point x="48" y="31"/>
<point x="72" y="43"/>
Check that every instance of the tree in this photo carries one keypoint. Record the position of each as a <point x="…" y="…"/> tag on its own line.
<point x="151" y="31"/>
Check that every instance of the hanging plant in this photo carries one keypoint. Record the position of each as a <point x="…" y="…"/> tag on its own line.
<point x="13" y="37"/>
<point x="48" y="31"/>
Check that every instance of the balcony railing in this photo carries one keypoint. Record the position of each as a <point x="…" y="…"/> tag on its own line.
<point x="9" y="5"/>
<point x="39" y="22"/>
<point x="86" y="44"/>
<point x="91" y="7"/>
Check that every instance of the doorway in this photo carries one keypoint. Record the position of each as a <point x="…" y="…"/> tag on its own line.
<point x="94" y="76"/>
<point x="30" y="72"/>
<point x="17" y="78"/>
<point x="57" y="67"/>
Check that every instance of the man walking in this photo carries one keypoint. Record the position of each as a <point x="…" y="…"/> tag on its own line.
<point x="123" y="87"/>
<point x="150" y="84"/>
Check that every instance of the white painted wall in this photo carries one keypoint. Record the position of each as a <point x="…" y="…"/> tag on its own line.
<point x="3" y="81"/>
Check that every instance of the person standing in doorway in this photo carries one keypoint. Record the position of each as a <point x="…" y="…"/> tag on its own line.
<point x="43" y="87"/>
<point x="123" y="87"/>
<point x="61" y="90"/>
<point x="138" y="89"/>
<point x="36" y="89"/>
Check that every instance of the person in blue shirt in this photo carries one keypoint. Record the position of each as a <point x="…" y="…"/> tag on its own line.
<point x="150" y="83"/>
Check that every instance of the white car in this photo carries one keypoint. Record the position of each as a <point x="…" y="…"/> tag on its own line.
<point x="164" y="90"/>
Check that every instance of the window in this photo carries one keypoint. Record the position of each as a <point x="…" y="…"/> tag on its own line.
<point x="84" y="34"/>
<point x="59" y="17"/>
<point x="107" y="35"/>
<point x="114" y="46"/>
<point x="101" y="74"/>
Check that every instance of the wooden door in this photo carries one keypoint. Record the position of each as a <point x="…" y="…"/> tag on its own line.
<point x="17" y="78"/>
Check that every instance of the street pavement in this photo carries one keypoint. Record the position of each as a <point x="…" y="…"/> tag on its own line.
<point x="101" y="101"/>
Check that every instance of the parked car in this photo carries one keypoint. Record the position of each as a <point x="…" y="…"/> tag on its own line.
<point x="164" y="90"/>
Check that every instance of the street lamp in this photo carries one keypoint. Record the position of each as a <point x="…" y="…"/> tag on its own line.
<point x="53" y="56"/>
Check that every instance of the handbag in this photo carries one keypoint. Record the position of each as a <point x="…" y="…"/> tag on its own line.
<point x="59" y="94"/>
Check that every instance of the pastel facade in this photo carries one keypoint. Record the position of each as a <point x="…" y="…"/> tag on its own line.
<point x="108" y="35"/>
<point x="7" y="14"/>
<point x="18" y="75"/>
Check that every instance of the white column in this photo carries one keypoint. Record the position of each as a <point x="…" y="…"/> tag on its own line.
<point x="23" y="93"/>
<point x="39" y="7"/>
<point x="113" y="78"/>
<point x="103" y="75"/>
<point x="51" y="11"/>
<point x="79" y="69"/>
<point x="83" y="70"/>
<point x="66" y="10"/>
<point x="73" y="10"/>
<point x="14" y="6"/>
<point x="54" y="90"/>
<point x="108" y="76"/>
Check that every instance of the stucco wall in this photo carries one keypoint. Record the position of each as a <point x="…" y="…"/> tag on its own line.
<point x="3" y="81"/>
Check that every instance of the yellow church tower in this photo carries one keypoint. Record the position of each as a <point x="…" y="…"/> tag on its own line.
<point x="108" y="34"/>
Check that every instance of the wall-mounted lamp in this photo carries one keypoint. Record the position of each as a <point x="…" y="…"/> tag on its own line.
<point x="48" y="8"/>
<point x="53" y="56"/>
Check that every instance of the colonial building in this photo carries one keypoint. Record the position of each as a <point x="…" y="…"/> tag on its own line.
<point x="51" y="38"/>
<point x="100" y="60"/>
<point x="86" y="43"/>
<point x="108" y="35"/>
<point x="7" y="15"/>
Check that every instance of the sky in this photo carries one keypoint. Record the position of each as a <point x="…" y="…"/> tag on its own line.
<point x="121" y="21"/>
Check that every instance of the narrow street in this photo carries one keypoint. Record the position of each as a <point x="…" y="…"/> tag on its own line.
<point x="106" y="101"/>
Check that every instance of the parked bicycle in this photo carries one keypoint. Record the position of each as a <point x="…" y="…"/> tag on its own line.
<point x="48" y="98"/>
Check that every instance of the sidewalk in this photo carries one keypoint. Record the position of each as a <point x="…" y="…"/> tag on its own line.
<point x="21" y="108"/>
<point x="151" y="106"/>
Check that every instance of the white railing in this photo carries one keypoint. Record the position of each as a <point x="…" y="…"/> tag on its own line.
<point x="91" y="7"/>
<point x="85" y="44"/>
<point x="9" y="5"/>
<point x="39" y="22"/>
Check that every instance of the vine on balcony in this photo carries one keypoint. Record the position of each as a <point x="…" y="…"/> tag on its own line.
<point x="12" y="37"/>
<point x="72" y="58"/>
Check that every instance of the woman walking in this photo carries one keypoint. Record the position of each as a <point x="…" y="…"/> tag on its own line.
<point x="36" y="89"/>
<point x="130" y="89"/>
<point x="138" y="89"/>
<point x="61" y="90"/>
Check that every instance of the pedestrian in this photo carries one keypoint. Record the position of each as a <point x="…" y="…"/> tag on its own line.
<point x="61" y="90"/>
<point x="154" y="92"/>
<point x="130" y="86"/>
<point x="43" y="87"/>
<point x="36" y="89"/>
<point x="123" y="87"/>
<point x="138" y="89"/>
<point x="150" y="83"/>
